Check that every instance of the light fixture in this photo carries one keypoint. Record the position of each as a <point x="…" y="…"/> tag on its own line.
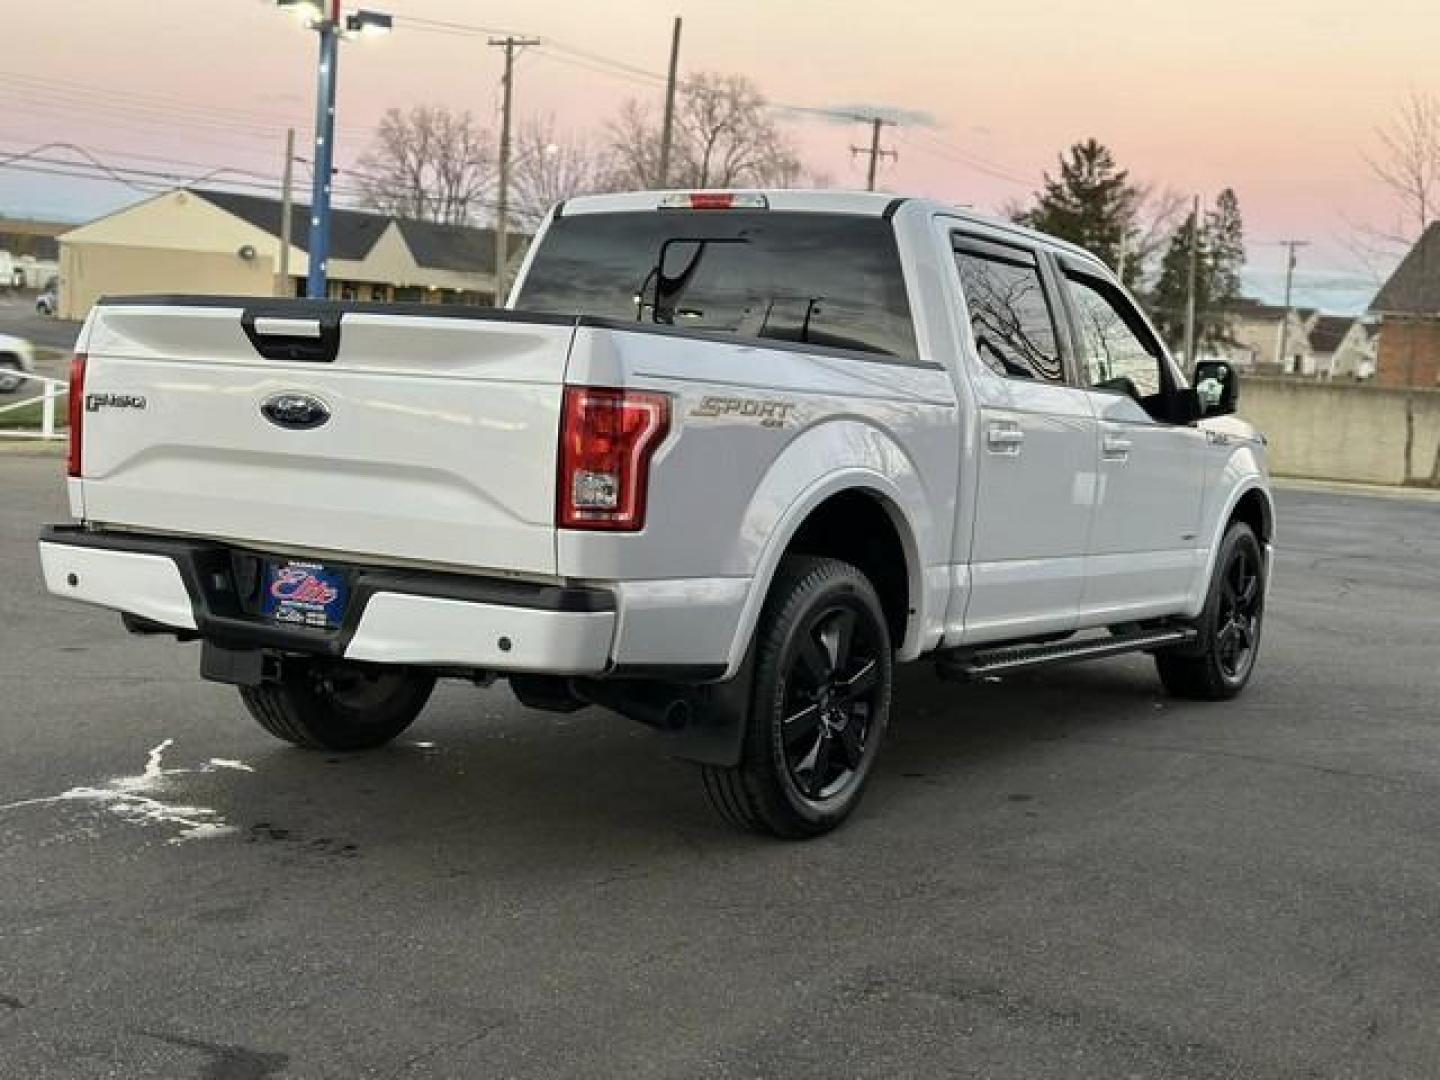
<point x="369" y="22"/>
<point x="309" y="10"/>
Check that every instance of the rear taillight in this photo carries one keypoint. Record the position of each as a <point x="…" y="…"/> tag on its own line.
<point x="607" y="438"/>
<point x="76" y="414"/>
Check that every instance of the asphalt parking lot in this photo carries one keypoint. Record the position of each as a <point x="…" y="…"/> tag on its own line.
<point x="18" y="317"/>
<point x="1064" y="875"/>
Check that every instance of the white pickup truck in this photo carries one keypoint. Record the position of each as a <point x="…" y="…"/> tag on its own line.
<point x="723" y="460"/>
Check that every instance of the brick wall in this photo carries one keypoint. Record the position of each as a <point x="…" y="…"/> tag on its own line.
<point x="1409" y="352"/>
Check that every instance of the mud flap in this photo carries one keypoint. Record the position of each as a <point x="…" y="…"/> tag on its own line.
<point x="714" y="734"/>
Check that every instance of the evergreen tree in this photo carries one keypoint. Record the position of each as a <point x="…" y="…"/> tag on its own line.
<point x="1219" y="260"/>
<point x="1168" y="301"/>
<point x="1227" y="248"/>
<point x="1091" y="203"/>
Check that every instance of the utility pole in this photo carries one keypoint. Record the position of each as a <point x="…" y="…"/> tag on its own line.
<point x="662" y="177"/>
<point x="1190" y="275"/>
<point x="873" y="151"/>
<point x="502" y="200"/>
<point x="1284" y="342"/>
<point x="286" y="200"/>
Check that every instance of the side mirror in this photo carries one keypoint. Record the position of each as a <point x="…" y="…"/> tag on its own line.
<point x="1217" y="384"/>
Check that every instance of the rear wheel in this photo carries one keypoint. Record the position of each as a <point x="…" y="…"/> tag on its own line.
<point x="820" y="705"/>
<point x="1219" y="664"/>
<point x="339" y="705"/>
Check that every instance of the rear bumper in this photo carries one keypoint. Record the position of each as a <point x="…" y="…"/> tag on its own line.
<point x="199" y="589"/>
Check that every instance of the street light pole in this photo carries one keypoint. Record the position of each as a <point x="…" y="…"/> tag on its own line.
<point x="325" y="20"/>
<point x="329" y="31"/>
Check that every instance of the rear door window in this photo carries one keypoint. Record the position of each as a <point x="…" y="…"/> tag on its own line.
<point x="829" y="281"/>
<point x="1011" y="321"/>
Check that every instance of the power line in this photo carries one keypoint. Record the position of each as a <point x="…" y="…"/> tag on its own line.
<point x="130" y="155"/>
<point x="107" y="97"/>
<point x="147" y="181"/>
<point x="61" y="94"/>
<point x="939" y="148"/>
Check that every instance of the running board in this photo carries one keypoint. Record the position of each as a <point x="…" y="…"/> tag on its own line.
<point x="965" y="665"/>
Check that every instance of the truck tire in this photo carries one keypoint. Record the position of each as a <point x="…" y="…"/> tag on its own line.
<point x="10" y="380"/>
<point x="1218" y="665"/>
<point x="820" y="705"/>
<point x="339" y="706"/>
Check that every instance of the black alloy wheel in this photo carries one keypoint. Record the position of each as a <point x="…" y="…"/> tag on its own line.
<point x="831" y="684"/>
<point x="1238" y="627"/>
<point x="1219" y="662"/>
<point x="819" y="705"/>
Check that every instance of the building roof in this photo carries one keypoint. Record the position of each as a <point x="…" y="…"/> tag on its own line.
<point x="1247" y="307"/>
<point x="1329" y="331"/>
<point x="1414" y="287"/>
<point x="352" y="232"/>
<point x="26" y="236"/>
<point x="448" y="247"/>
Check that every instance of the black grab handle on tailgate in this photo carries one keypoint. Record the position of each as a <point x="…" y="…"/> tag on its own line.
<point x="311" y="337"/>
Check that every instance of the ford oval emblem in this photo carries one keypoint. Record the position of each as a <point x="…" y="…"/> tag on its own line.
<point x="296" y="411"/>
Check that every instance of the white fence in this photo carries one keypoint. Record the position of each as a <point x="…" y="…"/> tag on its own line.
<point x="52" y="391"/>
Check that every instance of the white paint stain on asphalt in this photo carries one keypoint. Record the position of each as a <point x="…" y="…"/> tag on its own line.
<point x="134" y="799"/>
<point x="226" y="763"/>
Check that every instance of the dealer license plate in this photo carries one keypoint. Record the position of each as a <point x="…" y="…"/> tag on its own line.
<point x="304" y="594"/>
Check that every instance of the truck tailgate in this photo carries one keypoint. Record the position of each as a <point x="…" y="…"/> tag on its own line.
<point x="439" y="446"/>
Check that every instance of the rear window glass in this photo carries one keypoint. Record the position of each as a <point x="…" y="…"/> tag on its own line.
<point x="829" y="280"/>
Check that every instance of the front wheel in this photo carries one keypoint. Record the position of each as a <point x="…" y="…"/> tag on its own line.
<point x="339" y="705"/>
<point x="820" y="705"/>
<point x="1219" y="664"/>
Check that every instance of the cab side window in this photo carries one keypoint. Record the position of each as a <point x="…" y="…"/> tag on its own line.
<point x="1116" y="352"/>
<point x="1010" y="317"/>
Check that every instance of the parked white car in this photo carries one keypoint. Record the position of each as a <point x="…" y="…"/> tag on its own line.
<point x="728" y="457"/>
<point x="16" y="355"/>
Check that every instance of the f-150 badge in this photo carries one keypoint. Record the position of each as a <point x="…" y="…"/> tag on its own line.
<point x="767" y="413"/>
<point x="96" y="402"/>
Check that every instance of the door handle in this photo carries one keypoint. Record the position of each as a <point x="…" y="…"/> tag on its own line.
<point x="1115" y="448"/>
<point x="1004" y="438"/>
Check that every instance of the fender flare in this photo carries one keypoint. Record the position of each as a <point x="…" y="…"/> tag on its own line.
<point x="1252" y="482"/>
<point x="853" y="478"/>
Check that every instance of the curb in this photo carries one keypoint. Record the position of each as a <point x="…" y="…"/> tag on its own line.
<point x="1346" y="487"/>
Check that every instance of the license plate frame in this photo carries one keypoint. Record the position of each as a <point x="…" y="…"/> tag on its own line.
<point x="302" y="593"/>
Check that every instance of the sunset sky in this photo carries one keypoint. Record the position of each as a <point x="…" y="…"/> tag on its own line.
<point x="1276" y="98"/>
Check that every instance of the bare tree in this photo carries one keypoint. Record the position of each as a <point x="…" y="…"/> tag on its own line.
<point x="431" y="164"/>
<point x="1156" y="213"/>
<point x="1408" y="163"/>
<point x="724" y="136"/>
<point x="548" y="167"/>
